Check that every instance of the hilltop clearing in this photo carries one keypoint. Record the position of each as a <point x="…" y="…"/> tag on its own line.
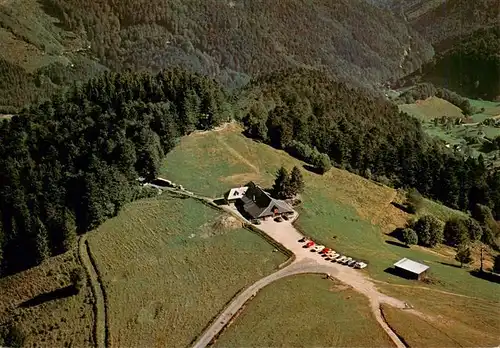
<point x="340" y="209"/>
<point x="343" y="211"/>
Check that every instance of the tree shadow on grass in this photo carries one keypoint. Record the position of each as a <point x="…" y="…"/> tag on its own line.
<point x="401" y="245"/>
<point x="50" y="296"/>
<point x="312" y="169"/>
<point x="450" y="264"/>
<point x="492" y="277"/>
<point x="402" y="207"/>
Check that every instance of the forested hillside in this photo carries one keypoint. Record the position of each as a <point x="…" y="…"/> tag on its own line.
<point x="366" y="135"/>
<point x="229" y="40"/>
<point x="38" y="57"/>
<point x="470" y="66"/>
<point x="444" y="21"/>
<point x="68" y="164"/>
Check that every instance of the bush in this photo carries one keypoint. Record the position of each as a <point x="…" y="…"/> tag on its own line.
<point x="474" y="229"/>
<point x="310" y="155"/>
<point x="78" y="279"/>
<point x="429" y="230"/>
<point x="482" y="214"/>
<point x="414" y="201"/>
<point x="409" y="237"/>
<point x="464" y="255"/>
<point x="456" y="232"/>
<point x="12" y="336"/>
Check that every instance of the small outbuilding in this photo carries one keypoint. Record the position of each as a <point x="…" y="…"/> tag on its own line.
<point x="410" y="269"/>
<point x="235" y="194"/>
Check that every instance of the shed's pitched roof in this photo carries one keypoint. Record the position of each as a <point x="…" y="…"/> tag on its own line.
<point x="411" y="266"/>
<point x="257" y="203"/>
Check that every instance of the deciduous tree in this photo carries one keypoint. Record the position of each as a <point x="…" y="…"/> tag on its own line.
<point x="463" y="255"/>
<point x="409" y="237"/>
<point x="429" y="230"/>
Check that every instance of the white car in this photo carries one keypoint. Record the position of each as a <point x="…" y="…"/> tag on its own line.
<point x="318" y="248"/>
<point x="341" y="259"/>
<point x="346" y="261"/>
<point x="334" y="255"/>
<point x="360" y="265"/>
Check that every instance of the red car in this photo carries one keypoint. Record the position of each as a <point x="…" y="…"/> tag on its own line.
<point x="310" y="244"/>
<point x="325" y="251"/>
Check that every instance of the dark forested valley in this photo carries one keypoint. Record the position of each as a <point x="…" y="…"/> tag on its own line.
<point x="57" y="41"/>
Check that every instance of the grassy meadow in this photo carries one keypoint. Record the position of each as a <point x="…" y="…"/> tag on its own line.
<point x="305" y="310"/>
<point x="169" y="265"/>
<point x="448" y="320"/>
<point x="341" y="210"/>
<point x="57" y="322"/>
<point x="470" y="135"/>
<point x="431" y="108"/>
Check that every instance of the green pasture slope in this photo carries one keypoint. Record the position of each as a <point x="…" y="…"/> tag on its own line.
<point x="169" y="265"/>
<point x="341" y="210"/>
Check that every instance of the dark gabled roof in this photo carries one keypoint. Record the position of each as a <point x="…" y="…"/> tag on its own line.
<point x="257" y="203"/>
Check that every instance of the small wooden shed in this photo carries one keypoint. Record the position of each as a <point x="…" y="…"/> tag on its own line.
<point x="411" y="269"/>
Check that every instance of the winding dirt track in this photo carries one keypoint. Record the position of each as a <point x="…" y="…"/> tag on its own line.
<point x="95" y="284"/>
<point x="305" y="262"/>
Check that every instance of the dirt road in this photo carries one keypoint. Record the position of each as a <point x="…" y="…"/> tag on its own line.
<point x="297" y="267"/>
<point x="95" y="284"/>
<point x="305" y="262"/>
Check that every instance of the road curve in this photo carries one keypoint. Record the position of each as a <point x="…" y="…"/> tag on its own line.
<point x="300" y="267"/>
<point x="95" y="284"/>
<point x="304" y="263"/>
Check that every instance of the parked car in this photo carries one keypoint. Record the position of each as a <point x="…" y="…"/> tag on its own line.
<point x="325" y="251"/>
<point x="318" y="248"/>
<point x="352" y="263"/>
<point x="309" y="244"/>
<point x="278" y="219"/>
<point x="256" y="222"/>
<point x="285" y="217"/>
<point x="346" y="261"/>
<point x="360" y="265"/>
<point x="334" y="255"/>
<point x="341" y="258"/>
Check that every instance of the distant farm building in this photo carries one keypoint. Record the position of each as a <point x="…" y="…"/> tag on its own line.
<point x="410" y="269"/>
<point x="257" y="203"/>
